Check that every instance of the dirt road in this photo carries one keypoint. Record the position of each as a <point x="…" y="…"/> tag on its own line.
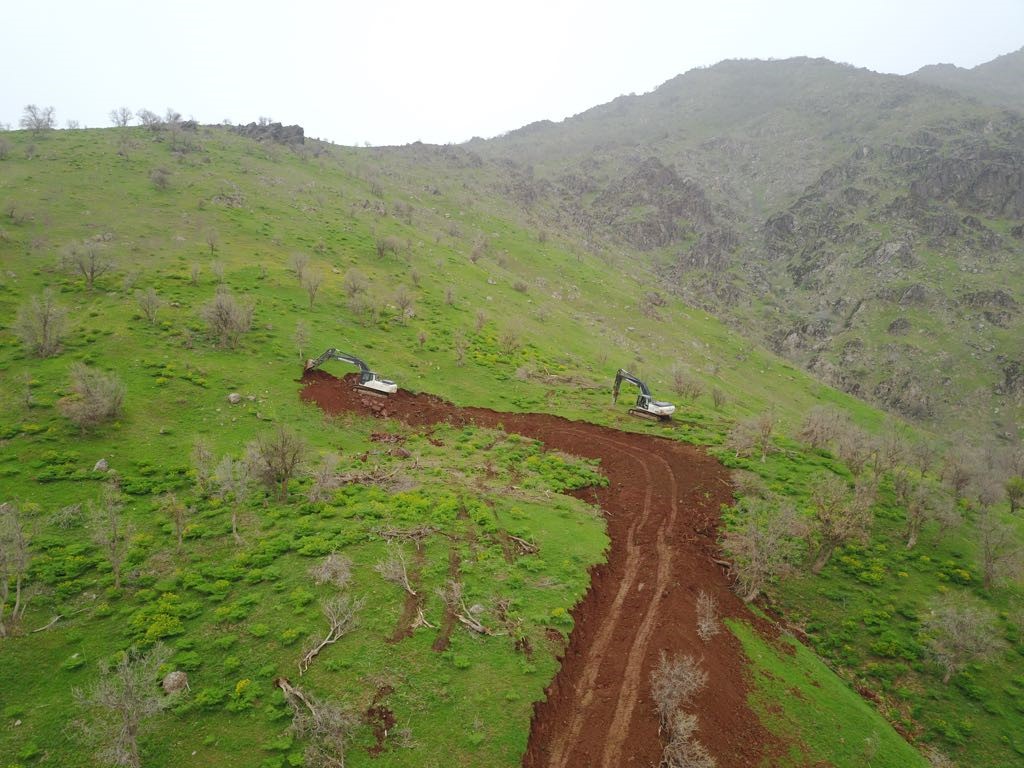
<point x="661" y="507"/>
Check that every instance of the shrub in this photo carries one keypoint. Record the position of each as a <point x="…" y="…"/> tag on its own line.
<point x="40" y="325"/>
<point x="227" y="319"/>
<point x="96" y="397"/>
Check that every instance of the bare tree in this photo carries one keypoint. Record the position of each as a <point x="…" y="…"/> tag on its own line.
<point x="763" y="546"/>
<point x="203" y="467"/>
<point x="120" y="117"/>
<point x="481" y="320"/>
<point x="234" y="482"/>
<point x="683" y="750"/>
<point x="718" y="398"/>
<point x="404" y="301"/>
<point x="1015" y="493"/>
<point x="217" y="267"/>
<point x="685" y="385"/>
<point x="325" y="727"/>
<point x="109" y="530"/>
<point x="278" y="456"/>
<point x="335" y="570"/>
<point x="959" y="469"/>
<point x="178" y="513"/>
<point x="150" y="120"/>
<point x="388" y="244"/>
<point x="459" y="346"/>
<point x="959" y="633"/>
<point x="15" y="559"/>
<point x="891" y="451"/>
<point x="449" y="295"/>
<point x="1002" y="559"/>
<point x="342" y="614"/>
<point x="821" y="426"/>
<point x="508" y="342"/>
<point x="298" y="264"/>
<point x="89" y="260"/>
<point x="392" y="568"/>
<point x="840" y="516"/>
<point x="674" y="683"/>
<point x="708" y="624"/>
<point x="212" y="239"/>
<point x="194" y="271"/>
<point x="325" y="479"/>
<point x="301" y="337"/>
<point x="751" y="436"/>
<point x="40" y="325"/>
<point x="96" y="397"/>
<point x="311" y="282"/>
<point x="122" y="701"/>
<point x="38" y="119"/>
<point x="227" y="318"/>
<point x="920" y="502"/>
<point x="354" y="283"/>
<point x="421" y="338"/>
<point x="149" y="302"/>
<point x="855" y="447"/>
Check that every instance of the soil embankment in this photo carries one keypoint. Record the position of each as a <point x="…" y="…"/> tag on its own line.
<point x="661" y="506"/>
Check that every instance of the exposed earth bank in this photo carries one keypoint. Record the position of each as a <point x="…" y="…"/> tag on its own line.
<point x="661" y="507"/>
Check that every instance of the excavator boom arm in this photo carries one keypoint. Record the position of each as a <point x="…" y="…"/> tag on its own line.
<point x="624" y="375"/>
<point x="333" y="354"/>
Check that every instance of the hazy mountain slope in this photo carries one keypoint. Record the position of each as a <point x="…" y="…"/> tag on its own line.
<point x="772" y="192"/>
<point x="1000" y="81"/>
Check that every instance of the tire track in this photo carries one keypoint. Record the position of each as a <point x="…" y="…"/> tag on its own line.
<point x="596" y="712"/>
<point x="629" y="693"/>
<point x="565" y="740"/>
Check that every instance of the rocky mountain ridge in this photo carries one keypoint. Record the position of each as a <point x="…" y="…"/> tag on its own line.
<point x="867" y="226"/>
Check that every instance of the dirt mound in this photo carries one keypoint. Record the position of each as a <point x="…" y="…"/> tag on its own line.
<point x="662" y="506"/>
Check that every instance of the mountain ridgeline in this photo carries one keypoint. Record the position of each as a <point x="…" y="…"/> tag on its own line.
<point x="869" y="227"/>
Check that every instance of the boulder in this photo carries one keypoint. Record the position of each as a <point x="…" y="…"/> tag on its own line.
<point x="101" y="466"/>
<point x="175" y="681"/>
<point x="234" y="398"/>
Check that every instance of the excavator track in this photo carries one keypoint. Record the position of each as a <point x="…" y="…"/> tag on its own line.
<point x="646" y="415"/>
<point x="372" y="391"/>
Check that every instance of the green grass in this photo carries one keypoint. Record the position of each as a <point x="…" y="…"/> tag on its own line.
<point x="243" y="612"/>
<point x="824" y="720"/>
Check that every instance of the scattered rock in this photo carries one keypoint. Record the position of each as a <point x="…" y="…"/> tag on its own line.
<point x="175" y="681"/>
<point x="281" y="134"/>
<point x="899" y="326"/>
<point x="234" y="398"/>
<point x="101" y="466"/>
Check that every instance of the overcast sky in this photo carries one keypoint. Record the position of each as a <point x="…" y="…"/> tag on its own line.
<point x="397" y="71"/>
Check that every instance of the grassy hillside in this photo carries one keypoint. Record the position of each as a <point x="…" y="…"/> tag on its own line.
<point x="542" y="321"/>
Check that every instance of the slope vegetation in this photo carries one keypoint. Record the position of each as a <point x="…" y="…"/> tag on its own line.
<point x="447" y="287"/>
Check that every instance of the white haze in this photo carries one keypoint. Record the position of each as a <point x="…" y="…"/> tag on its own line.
<point x="407" y="70"/>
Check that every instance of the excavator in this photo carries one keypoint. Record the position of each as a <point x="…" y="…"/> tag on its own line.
<point x="368" y="380"/>
<point x="646" y="406"/>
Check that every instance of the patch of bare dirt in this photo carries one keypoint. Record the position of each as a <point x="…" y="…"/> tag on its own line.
<point x="413" y="603"/>
<point x="662" y="505"/>
<point x="444" y="635"/>
<point x="381" y="719"/>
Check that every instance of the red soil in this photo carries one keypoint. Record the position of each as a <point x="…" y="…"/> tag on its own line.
<point x="661" y="506"/>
